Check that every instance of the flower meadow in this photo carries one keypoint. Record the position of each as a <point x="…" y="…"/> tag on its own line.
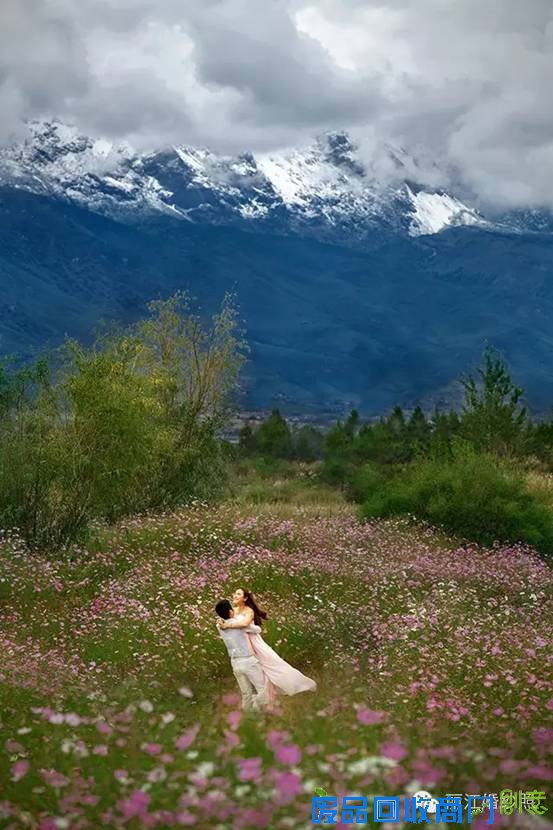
<point x="119" y="709"/>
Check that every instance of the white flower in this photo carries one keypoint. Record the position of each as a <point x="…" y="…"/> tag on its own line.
<point x="157" y="774"/>
<point x="241" y="790"/>
<point x="206" y="769"/>
<point x="168" y="717"/>
<point x="373" y="763"/>
<point x="146" y="706"/>
<point x="185" y="691"/>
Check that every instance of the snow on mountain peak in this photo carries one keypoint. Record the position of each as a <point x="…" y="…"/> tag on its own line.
<point x="322" y="186"/>
<point x="435" y="211"/>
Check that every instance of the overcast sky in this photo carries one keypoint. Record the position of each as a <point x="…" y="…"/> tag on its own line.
<point x="466" y="82"/>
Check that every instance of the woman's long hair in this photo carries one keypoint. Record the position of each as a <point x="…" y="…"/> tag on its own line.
<point x="258" y="614"/>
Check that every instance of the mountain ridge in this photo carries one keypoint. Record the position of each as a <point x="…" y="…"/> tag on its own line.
<point x="338" y="312"/>
<point x="324" y="186"/>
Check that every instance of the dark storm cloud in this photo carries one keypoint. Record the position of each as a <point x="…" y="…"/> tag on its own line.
<point x="284" y="75"/>
<point x="466" y="84"/>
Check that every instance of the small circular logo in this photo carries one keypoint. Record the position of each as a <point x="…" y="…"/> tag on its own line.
<point x="425" y="797"/>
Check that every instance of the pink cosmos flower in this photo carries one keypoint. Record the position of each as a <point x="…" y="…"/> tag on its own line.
<point x="187" y="819"/>
<point x="509" y="766"/>
<point x="369" y="716"/>
<point x="234" y="719"/>
<point x="19" y="770"/>
<point x="135" y="805"/>
<point x="276" y="738"/>
<point x="54" y="778"/>
<point x="250" y="769"/>
<point x="231" y="739"/>
<point x="288" y="786"/>
<point x="104" y="728"/>
<point x="288" y="754"/>
<point x="187" y="737"/>
<point x="394" y="750"/>
<point x="541" y="772"/>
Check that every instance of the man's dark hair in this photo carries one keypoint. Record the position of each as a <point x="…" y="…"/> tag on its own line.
<point x="223" y="609"/>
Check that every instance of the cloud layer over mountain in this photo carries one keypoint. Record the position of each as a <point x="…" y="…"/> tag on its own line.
<point x="467" y="81"/>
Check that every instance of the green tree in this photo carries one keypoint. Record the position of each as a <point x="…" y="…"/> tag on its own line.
<point x="308" y="443"/>
<point x="195" y="369"/>
<point x="540" y="440"/>
<point x="338" y="450"/>
<point x="493" y="418"/>
<point x="444" y="427"/>
<point x="117" y="424"/>
<point x="125" y="425"/>
<point x="273" y="437"/>
<point x="384" y="442"/>
<point x="247" y="440"/>
<point x="418" y="432"/>
<point x="352" y="423"/>
<point x="40" y="492"/>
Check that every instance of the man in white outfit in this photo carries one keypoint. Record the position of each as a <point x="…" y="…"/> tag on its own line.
<point x="245" y="665"/>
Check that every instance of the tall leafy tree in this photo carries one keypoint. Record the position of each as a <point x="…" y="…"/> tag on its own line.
<point x="444" y="427"/>
<point x="273" y="436"/>
<point x="493" y="417"/>
<point x="418" y="432"/>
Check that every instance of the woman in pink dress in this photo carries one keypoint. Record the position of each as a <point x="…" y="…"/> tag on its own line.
<point x="281" y="676"/>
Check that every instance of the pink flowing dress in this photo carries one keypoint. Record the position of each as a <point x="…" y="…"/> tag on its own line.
<point x="281" y="676"/>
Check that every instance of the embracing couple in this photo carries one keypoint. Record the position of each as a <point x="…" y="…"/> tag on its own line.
<point x="258" y="669"/>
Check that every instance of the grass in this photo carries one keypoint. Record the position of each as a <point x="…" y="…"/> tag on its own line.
<point x="118" y="707"/>
<point x="285" y="489"/>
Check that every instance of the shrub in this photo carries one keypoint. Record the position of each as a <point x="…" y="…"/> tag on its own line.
<point x="369" y="478"/>
<point x="473" y="496"/>
<point x="127" y="425"/>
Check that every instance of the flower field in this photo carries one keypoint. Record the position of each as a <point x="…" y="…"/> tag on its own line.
<point x="118" y="708"/>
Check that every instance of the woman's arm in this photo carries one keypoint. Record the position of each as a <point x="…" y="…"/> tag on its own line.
<point x="241" y="621"/>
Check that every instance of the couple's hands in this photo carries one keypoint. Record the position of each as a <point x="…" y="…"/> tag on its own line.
<point x="220" y="623"/>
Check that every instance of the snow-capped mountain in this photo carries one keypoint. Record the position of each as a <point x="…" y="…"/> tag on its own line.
<point x="323" y="189"/>
<point x="413" y="285"/>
